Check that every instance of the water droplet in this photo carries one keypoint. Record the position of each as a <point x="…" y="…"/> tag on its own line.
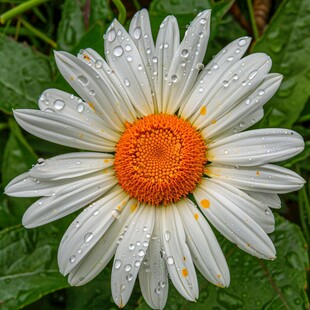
<point x="129" y="277"/>
<point x="129" y="58"/>
<point x="145" y="244"/>
<point x="96" y="212"/>
<point x="137" y="33"/>
<point x="167" y="235"/>
<point x="174" y="78"/>
<point x="122" y="287"/>
<point x="127" y="267"/>
<point x="243" y="83"/>
<point x="59" y="104"/>
<point x="80" y="108"/>
<point x="235" y="77"/>
<point x="83" y="80"/>
<point x="157" y="290"/>
<point x="237" y="51"/>
<point x="148" y="51"/>
<point x="117" y="264"/>
<point x="226" y="152"/>
<point x="131" y="247"/>
<point x="203" y="21"/>
<point x="118" y="51"/>
<point x="126" y="82"/>
<point x="230" y="58"/>
<point x="242" y="42"/>
<point x="155" y="60"/>
<point x="201" y="35"/>
<point x="170" y="261"/>
<point x="140" y="67"/>
<point x="215" y="66"/>
<point x="72" y="259"/>
<point x="141" y="253"/>
<point x="241" y="125"/>
<point x="41" y="161"/>
<point x="184" y="53"/>
<point x="225" y="83"/>
<point x="248" y="101"/>
<point x="98" y="63"/>
<point x="77" y="224"/>
<point x="166" y="45"/>
<point x="267" y="212"/>
<point x="115" y="213"/>
<point x="162" y="284"/>
<point x="200" y="89"/>
<point x="111" y="35"/>
<point x="252" y="74"/>
<point x="137" y="263"/>
<point x="261" y="92"/>
<point x="92" y="92"/>
<point x="88" y="237"/>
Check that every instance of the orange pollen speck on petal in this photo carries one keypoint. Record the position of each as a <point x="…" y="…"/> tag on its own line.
<point x="205" y="203"/>
<point x="203" y="110"/>
<point x="196" y="216"/>
<point x="159" y="159"/>
<point x="184" y="272"/>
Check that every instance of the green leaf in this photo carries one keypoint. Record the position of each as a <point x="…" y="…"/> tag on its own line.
<point x="257" y="284"/>
<point x="24" y="74"/>
<point x="287" y="41"/>
<point x="75" y="18"/>
<point x="28" y="265"/>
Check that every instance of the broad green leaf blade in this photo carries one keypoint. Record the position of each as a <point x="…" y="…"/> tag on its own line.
<point x="28" y="268"/>
<point x="257" y="284"/>
<point x="287" y="41"/>
<point x="24" y="74"/>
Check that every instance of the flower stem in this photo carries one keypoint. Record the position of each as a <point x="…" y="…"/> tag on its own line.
<point x="19" y="9"/>
<point x="252" y="19"/>
<point x="121" y="11"/>
<point x="39" y="34"/>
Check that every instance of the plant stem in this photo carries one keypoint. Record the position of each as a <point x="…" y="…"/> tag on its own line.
<point x="39" y="34"/>
<point x="121" y="11"/>
<point x="19" y="9"/>
<point x="252" y="19"/>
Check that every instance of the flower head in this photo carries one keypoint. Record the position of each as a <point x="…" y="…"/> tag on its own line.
<point x="157" y="126"/>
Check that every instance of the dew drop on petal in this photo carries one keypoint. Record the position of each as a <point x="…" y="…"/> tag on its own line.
<point x="98" y="63"/>
<point x="261" y="92"/>
<point x="92" y="92"/>
<point x="140" y="67"/>
<point x="131" y="247"/>
<point x="88" y="237"/>
<point x="59" y="104"/>
<point x="235" y="77"/>
<point x="174" y="78"/>
<point x="252" y="75"/>
<point x="248" y="101"/>
<point x="129" y="58"/>
<point x="41" y="161"/>
<point x="203" y="21"/>
<point x="141" y="253"/>
<point x="96" y="212"/>
<point x="157" y="290"/>
<point x="184" y="53"/>
<point x="83" y="80"/>
<point x="230" y="58"/>
<point x="137" y="263"/>
<point x="127" y="267"/>
<point x="72" y="259"/>
<point x="155" y="60"/>
<point x="170" y="261"/>
<point x="117" y="264"/>
<point x="215" y="66"/>
<point x="111" y="35"/>
<point x="129" y="277"/>
<point x="80" y="108"/>
<point x="118" y="51"/>
<point x="115" y="213"/>
<point x="126" y="82"/>
<point x="137" y="33"/>
<point x="167" y="235"/>
<point x="128" y="47"/>
<point x="242" y="42"/>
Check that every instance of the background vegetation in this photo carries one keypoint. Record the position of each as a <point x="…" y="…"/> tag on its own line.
<point x="30" y="30"/>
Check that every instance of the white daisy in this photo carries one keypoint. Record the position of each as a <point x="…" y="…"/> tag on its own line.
<point x="160" y="127"/>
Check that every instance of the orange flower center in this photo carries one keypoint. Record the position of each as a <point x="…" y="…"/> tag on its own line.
<point x="159" y="159"/>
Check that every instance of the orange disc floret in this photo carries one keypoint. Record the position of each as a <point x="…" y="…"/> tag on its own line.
<point x="159" y="159"/>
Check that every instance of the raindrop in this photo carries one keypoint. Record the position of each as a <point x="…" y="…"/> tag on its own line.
<point x="131" y="247"/>
<point x="183" y="63"/>
<point x="80" y="108"/>
<point x="174" y="78"/>
<point x="243" y="83"/>
<point x="225" y="83"/>
<point x="267" y="212"/>
<point x="226" y="152"/>
<point x="140" y="67"/>
<point x="155" y="60"/>
<point x="138" y="243"/>
<point x="137" y="263"/>
<point x="200" y="89"/>
<point x="184" y="53"/>
<point x="237" y="51"/>
<point x="77" y="224"/>
<point x="201" y="35"/>
<point x="128" y="267"/>
<point x="157" y="290"/>
<point x="41" y="161"/>
<point x="141" y="253"/>
<point x="203" y="21"/>
<point x="252" y="74"/>
<point x="241" y="125"/>
<point x="230" y="58"/>
<point x="215" y="66"/>
<point x="162" y="284"/>
<point x="88" y="237"/>
<point x="242" y="42"/>
<point x="117" y="264"/>
<point x="96" y="212"/>
<point x="92" y="92"/>
<point x="98" y="63"/>
<point x="115" y="213"/>
<point x="128" y="47"/>
<point x="118" y="51"/>
<point x="137" y="33"/>
<point x="148" y="51"/>
<point x="248" y="101"/>
<point x="129" y="277"/>
<point x="167" y="235"/>
<point x="59" y="104"/>
<point x="235" y="77"/>
<point x="145" y="244"/>
<point x="72" y="259"/>
<point x="261" y="92"/>
<point x="166" y="45"/>
<point x="170" y="260"/>
<point x="83" y="80"/>
<point x="129" y="58"/>
<point x="123" y="286"/>
<point x="144" y="229"/>
<point x="126" y="81"/>
<point x="111" y="35"/>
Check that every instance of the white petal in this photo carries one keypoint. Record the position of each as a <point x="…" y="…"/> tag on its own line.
<point x="267" y="178"/>
<point x="130" y="253"/>
<point x="95" y="91"/>
<point x="205" y="249"/>
<point x="229" y="91"/>
<point x="231" y="221"/>
<point x="99" y="256"/>
<point x="62" y="103"/>
<point x="125" y="59"/>
<point x="178" y="257"/>
<point x="256" y="147"/>
<point x="257" y="210"/>
<point x="167" y="42"/>
<point x="190" y="52"/>
<point x="246" y="113"/>
<point x="270" y="200"/>
<point x="122" y="106"/>
<point x="63" y="130"/>
<point x="210" y="76"/>
<point x="88" y="227"/>
<point x="71" y="165"/>
<point x="68" y="198"/>
<point x="153" y="275"/>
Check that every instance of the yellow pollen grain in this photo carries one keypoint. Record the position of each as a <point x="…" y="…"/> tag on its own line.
<point x="81" y="135"/>
<point x="218" y="275"/>
<point x="91" y="106"/>
<point x="184" y="272"/>
<point x="184" y="258"/>
<point x="119" y="208"/>
<point x="257" y="173"/>
<point x="196" y="216"/>
<point x="86" y="57"/>
<point x="71" y="78"/>
<point x="106" y="161"/>
<point x="133" y="207"/>
<point x="203" y="110"/>
<point x="205" y="203"/>
<point x="214" y="121"/>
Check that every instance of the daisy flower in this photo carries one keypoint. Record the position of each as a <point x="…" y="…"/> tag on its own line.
<point x="156" y="127"/>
